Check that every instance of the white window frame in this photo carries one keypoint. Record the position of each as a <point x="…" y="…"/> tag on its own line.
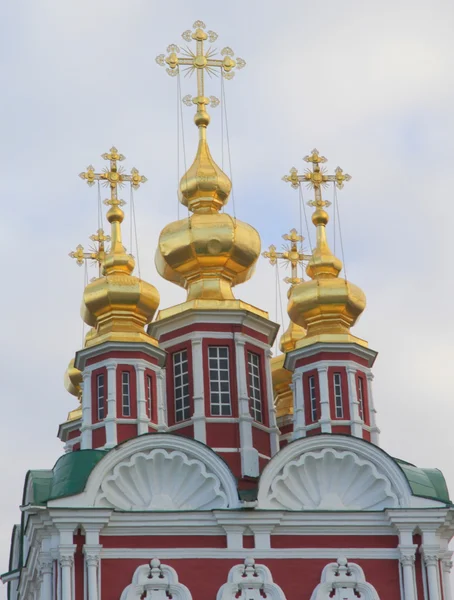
<point x="219" y="376"/>
<point x="338" y="404"/>
<point x="101" y="397"/>
<point x="313" y="398"/>
<point x="125" y="393"/>
<point x="149" y="392"/>
<point x="181" y="389"/>
<point x="361" y="398"/>
<point x="254" y="386"/>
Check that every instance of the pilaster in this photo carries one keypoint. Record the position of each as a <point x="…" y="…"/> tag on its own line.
<point x="325" y="410"/>
<point x="357" y="422"/>
<point x="161" y="400"/>
<point x="199" y="417"/>
<point x="299" y="419"/>
<point x="249" y="455"/>
<point x="142" y="416"/>
<point x="110" y="420"/>
<point x="86" y="435"/>
<point x="375" y="431"/>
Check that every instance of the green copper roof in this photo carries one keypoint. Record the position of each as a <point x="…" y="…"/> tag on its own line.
<point x="67" y="478"/>
<point x="428" y="483"/>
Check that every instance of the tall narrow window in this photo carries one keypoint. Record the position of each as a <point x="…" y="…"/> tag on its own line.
<point x="125" y="394"/>
<point x="149" y="392"/>
<point x="313" y="398"/>
<point x="181" y="385"/>
<point x="338" y="396"/>
<point x="255" y="392"/>
<point x="100" y="396"/>
<point x="361" y="397"/>
<point x="218" y="357"/>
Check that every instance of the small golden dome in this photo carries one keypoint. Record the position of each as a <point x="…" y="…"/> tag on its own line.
<point x="282" y="392"/>
<point x="118" y="305"/>
<point x="72" y="381"/>
<point x="326" y="305"/>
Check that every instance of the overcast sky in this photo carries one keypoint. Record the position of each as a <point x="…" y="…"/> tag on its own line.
<point x="370" y="84"/>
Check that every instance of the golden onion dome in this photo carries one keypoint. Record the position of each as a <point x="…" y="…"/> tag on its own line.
<point x="209" y="252"/>
<point x="327" y="306"/>
<point x="73" y="381"/>
<point x="118" y="305"/>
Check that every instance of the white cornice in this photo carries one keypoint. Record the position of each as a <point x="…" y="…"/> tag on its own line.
<point x="86" y="353"/>
<point x="308" y="351"/>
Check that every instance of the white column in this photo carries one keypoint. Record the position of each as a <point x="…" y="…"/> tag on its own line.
<point x="161" y="400"/>
<point x="198" y="418"/>
<point x="45" y="569"/>
<point x="249" y="455"/>
<point x="446" y="566"/>
<point x="274" y="433"/>
<point x="407" y="561"/>
<point x="86" y="436"/>
<point x="66" y="561"/>
<point x="299" y="418"/>
<point x="375" y="431"/>
<point x="92" y="554"/>
<point x="142" y="416"/>
<point x="111" y="418"/>
<point x="357" y="423"/>
<point x="431" y="562"/>
<point x="325" y="417"/>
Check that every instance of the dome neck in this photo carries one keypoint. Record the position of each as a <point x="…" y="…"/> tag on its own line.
<point x="117" y="261"/>
<point x="323" y="264"/>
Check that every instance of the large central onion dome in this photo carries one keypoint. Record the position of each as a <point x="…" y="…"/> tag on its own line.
<point x="209" y="252"/>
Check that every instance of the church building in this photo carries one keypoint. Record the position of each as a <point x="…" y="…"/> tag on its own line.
<point x="200" y="466"/>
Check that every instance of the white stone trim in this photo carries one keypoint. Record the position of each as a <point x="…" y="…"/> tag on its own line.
<point x="325" y="407"/>
<point x="357" y="422"/>
<point x="198" y="393"/>
<point x="143" y="444"/>
<point x="250" y="580"/>
<point x="272" y="553"/>
<point x="384" y="465"/>
<point x="111" y="417"/>
<point x="155" y="580"/>
<point x="86" y="435"/>
<point x="299" y="417"/>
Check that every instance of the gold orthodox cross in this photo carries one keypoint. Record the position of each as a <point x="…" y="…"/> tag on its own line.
<point x="316" y="178"/>
<point x="114" y="176"/>
<point x="201" y="61"/>
<point x="96" y="253"/>
<point x="290" y="255"/>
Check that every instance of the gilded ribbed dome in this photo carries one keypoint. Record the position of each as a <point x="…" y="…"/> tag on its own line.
<point x="73" y="381"/>
<point x="209" y="252"/>
<point x="326" y="306"/>
<point x="118" y="305"/>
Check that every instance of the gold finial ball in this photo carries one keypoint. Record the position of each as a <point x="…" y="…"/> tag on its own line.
<point x="202" y="118"/>
<point x="320" y="217"/>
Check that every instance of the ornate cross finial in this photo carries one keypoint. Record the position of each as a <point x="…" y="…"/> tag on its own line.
<point x="95" y="253"/>
<point x="200" y="61"/>
<point x="290" y="255"/>
<point x="114" y="176"/>
<point x="316" y="178"/>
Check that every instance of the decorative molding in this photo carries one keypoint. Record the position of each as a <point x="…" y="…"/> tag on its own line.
<point x="158" y="472"/>
<point x="332" y="473"/>
<point x="344" y="581"/>
<point x="161" y="480"/>
<point x="155" y="582"/>
<point x="250" y="581"/>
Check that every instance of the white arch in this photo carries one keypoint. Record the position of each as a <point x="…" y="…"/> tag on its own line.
<point x="249" y="582"/>
<point x="343" y="580"/>
<point x="307" y="475"/>
<point x="159" y="472"/>
<point x="157" y="582"/>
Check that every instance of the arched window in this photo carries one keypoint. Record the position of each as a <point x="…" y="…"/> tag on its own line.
<point x="344" y="581"/>
<point x="250" y="582"/>
<point x="155" y="582"/>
